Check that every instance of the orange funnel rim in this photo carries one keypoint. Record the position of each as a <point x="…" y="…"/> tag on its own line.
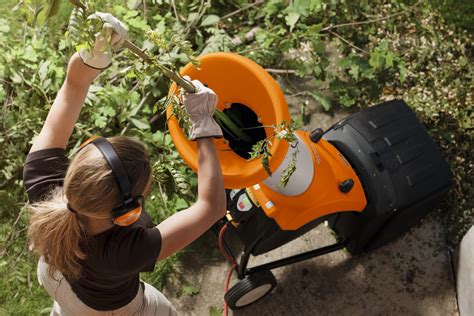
<point x="235" y="79"/>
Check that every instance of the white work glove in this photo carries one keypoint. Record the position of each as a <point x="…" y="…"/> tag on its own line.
<point x="113" y="31"/>
<point x="200" y="107"/>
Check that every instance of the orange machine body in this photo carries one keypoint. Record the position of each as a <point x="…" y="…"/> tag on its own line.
<point x="322" y="197"/>
<point x="236" y="79"/>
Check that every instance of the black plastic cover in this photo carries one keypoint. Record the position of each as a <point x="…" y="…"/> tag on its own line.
<point x="401" y="169"/>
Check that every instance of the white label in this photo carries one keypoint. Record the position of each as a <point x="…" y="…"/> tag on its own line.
<point x="243" y="203"/>
<point x="269" y="204"/>
<point x="233" y="193"/>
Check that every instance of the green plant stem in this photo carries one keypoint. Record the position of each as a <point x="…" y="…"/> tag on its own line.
<point x="234" y="129"/>
<point x="189" y="88"/>
<point x="257" y="127"/>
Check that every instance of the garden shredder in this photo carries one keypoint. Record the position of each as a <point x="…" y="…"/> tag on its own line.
<point x="371" y="176"/>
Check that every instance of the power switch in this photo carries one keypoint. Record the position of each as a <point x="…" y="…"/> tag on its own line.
<point x="316" y="135"/>
<point x="346" y="185"/>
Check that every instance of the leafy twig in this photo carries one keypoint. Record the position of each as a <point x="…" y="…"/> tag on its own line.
<point x="187" y="86"/>
<point x="349" y="43"/>
<point x="331" y="27"/>
<point x="280" y="71"/>
<point x="234" y="129"/>
<point x="288" y="172"/>
<point x="254" y="49"/>
<point x="10" y="234"/>
<point x="175" y="11"/>
<point x="257" y="127"/>
<point x="201" y="11"/>
<point x="299" y="93"/>
<point x="251" y="5"/>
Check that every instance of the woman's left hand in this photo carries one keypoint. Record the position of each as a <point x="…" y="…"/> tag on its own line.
<point x="112" y="36"/>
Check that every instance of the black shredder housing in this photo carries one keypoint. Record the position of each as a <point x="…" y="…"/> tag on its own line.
<point x="401" y="169"/>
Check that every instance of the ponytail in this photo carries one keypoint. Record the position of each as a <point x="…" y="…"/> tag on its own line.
<point x="56" y="234"/>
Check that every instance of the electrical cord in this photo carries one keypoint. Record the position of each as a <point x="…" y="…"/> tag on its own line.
<point x="221" y="244"/>
<point x="229" y="275"/>
<point x="231" y="261"/>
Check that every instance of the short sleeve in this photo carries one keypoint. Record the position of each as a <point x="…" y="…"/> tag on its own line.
<point x="139" y="249"/>
<point x="44" y="170"/>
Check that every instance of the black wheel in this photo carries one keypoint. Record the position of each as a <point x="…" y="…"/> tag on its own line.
<point x="249" y="290"/>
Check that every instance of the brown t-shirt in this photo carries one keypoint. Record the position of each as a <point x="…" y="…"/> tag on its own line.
<point x="110" y="273"/>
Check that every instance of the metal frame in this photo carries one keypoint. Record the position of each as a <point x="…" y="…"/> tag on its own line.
<point x="242" y="266"/>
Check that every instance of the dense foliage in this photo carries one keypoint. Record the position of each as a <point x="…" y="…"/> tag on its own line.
<point x="357" y="53"/>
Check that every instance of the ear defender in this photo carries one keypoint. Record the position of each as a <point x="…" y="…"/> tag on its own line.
<point x="129" y="211"/>
<point x="127" y="214"/>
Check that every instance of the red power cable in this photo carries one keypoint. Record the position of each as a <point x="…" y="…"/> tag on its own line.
<point x="221" y="244"/>
<point x="230" y="259"/>
<point x="229" y="275"/>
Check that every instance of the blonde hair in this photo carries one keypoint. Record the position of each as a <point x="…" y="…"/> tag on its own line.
<point x="90" y="188"/>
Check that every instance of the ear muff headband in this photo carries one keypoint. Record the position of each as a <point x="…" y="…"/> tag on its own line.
<point x="117" y="167"/>
<point x="129" y="210"/>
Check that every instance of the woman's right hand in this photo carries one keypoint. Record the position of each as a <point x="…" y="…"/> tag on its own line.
<point x="200" y="107"/>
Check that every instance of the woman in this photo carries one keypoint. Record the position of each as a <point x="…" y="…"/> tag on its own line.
<point x="89" y="263"/>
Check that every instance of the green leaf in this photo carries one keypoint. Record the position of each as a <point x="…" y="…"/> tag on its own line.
<point x="46" y="311"/>
<point x="179" y="205"/>
<point x="300" y="7"/>
<point x="43" y="69"/>
<point x="288" y="172"/>
<point x="402" y="71"/>
<point x="315" y="5"/>
<point x="30" y="54"/>
<point x="192" y="17"/>
<point x="189" y="290"/>
<point x="323" y="100"/>
<point x="291" y="19"/>
<point x="389" y="57"/>
<point x="100" y="121"/>
<point x="52" y="9"/>
<point x="376" y="59"/>
<point x="215" y="311"/>
<point x="354" y="71"/>
<point x="138" y="23"/>
<point x="108" y="111"/>
<point x="210" y="20"/>
<point x="140" y="124"/>
<point x="346" y="101"/>
<point x="4" y="27"/>
<point x="2" y="96"/>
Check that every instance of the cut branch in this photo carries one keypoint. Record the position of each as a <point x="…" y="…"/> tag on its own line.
<point x="187" y="86"/>
<point x="349" y="43"/>
<point x="258" y="2"/>
<point x="11" y="233"/>
<point x="331" y="27"/>
<point x="280" y="71"/>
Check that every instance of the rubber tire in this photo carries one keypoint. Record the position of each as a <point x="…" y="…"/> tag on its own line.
<point x="263" y="280"/>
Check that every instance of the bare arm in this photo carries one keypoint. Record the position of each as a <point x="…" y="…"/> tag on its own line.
<point x="182" y="228"/>
<point x="66" y="107"/>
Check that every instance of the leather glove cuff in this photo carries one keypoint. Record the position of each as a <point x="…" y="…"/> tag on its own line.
<point x="204" y="126"/>
<point x="96" y="60"/>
